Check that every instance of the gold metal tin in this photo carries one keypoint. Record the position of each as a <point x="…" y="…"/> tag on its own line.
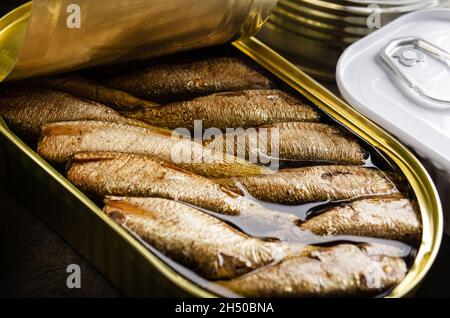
<point x="133" y="268"/>
<point x="12" y="28"/>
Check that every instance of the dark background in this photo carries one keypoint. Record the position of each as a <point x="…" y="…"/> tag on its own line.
<point x="34" y="258"/>
<point x="9" y="5"/>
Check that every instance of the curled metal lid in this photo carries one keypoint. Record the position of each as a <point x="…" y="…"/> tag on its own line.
<point x="64" y="36"/>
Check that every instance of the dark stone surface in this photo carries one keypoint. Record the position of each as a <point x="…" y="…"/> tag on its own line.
<point x="9" y="5"/>
<point x="34" y="258"/>
<point x="437" y="282"/>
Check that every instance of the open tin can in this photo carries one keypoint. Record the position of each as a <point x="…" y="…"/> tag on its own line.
<point x="139" y="270"/>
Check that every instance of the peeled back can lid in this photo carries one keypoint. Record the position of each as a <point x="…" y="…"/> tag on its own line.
<point x="399" y="76"/>
<point x="48" y="37"/>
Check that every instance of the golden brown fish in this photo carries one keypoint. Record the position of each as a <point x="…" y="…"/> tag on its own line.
<point x="390" y="218"/>
<point x="248" y="108"/>
<point x="82" y="87"/>
<point x="187" y="79"/>
<point x="295" y="141"/>
<point x="193" y="238"/>
<point x="143" y="176"/>
<point x="101" y="174"/>
<point x="318" y="183"/>
<point x="60" y="141"/>
<point x="342" y="270"/>
<point x="26" y="109"/>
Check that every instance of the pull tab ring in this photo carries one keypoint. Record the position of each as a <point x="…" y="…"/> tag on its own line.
<point x="410" y="51"/>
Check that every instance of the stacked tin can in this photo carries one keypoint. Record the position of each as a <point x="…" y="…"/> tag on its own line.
<point x="314" y="33"/>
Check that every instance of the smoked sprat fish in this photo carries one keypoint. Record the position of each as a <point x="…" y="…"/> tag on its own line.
<point x="143" y="176"/>
<point x="209" y="246"/>
<point x="390" y="218"/>
<point x="121" y="174"/>
<point x="60" y="141"/>
<point x="342" y="270"/>
<point x="188" y="79"/>
<point x="338" y="228"/>
<point x="317" y="183"/>
<point x="294" y="141"/>
<point x="26" y="109"/>
<point x="92" y="90"/>
<point x="248" y="108"/>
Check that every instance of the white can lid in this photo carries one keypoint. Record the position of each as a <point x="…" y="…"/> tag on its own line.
<point x="399" y="76"/>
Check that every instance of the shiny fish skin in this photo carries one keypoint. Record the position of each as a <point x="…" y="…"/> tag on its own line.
<point x="26" y="109"/>
<point x="391" y="248"/>
<point x="60" y="141"/>
<point x="298" y="141"/>
<point x="249" y="108"/>
<point x="82" y="87"/>
<point x="342" y="270"/>
<point x="390" y="218"/>
<point x="319" y="183"/>
<point x="209" y="246"/>
<point x="188" y="79"/>
<point x="143" y="176"/>
<point x="121" y="174"/>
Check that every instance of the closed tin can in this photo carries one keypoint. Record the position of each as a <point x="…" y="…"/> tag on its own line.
<point x="333" y="24"/>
